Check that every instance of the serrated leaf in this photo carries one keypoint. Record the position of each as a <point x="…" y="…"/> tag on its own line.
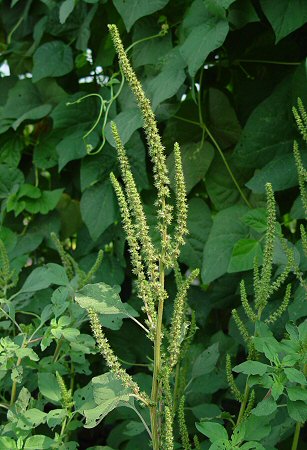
<point x="52" y="59"/>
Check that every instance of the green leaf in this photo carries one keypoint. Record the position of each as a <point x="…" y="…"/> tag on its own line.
<point x="127" y="122"/>
<point x="30" y="419"/>
<point x="102" y="298"/>
<point x="108" y="394"/>
<point x="99" y="208"/>
<point x="243" y="255"/>
<point x="257" y="427"/>
<point x="214" y="431"/>
<point x="226" y="230"/>
<point x="206" y="361"/>
<point x="170" y="78"/>
<point x="45" y="203"/>
<point x="252" y="446"/>
<point x="199" y="225"/>
<point x="268" y="131"/>
<point x="265" y="407"/>
<point x="27" y="352"/>
<point x="42" y="277"/>
<point x="295" y="376"/>
<point x="66" y="9"/>
<point x="297" y="393"/>
<point x="7" y="443"/>
<point x="251" y="368"/>
<point x="280" y="172"/>
<point x="297" y="411"/>
<point x="285" y="16"/>
<point x="205" y="33"/>
<point x="196" y="160"/>
<point x="134" y="9"/>
<point x="52" y="59"/>
<point x="48" y="386"/>
<point x="256" y="219"/>
<point x="39" y="442"/>
<point x="72" y="146"/>
<point x="55" y="417"/>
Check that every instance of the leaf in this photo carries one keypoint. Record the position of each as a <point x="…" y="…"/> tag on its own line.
<point x="295" y="376"/>
<point x="108" y="394"/>
<point x="102" y="298"/>
<point x="206" y="361"/>
<point x="257" y="427"/>
<point x="268" y="131"/>
<point x="251" y="368"/>
<point x="52" y="59"/>
<point x="66" y="9"/>
<point x="256" y="219"/>
<point x="31" y="418"/>
<point x="204" y="33"/>
<point x="127" y="122"/>
<point x="280" y="172"/>
<point x="243" y="255"/>
<point x="27" y="352"/>
<point x="42" y="277"/>
<point x="33" y="114"/>
<point x="55" y="417"/>
<point x="214" y="431"/>
<point x="226" y="230"/>
<point x="169" y="80"/>
<point x="252" y="446"/>
<point x="265" y="407"/>
<point x="99" y="208"/>
<point x="199" y="225"/>
<point x="7" y="443"/>
<point x="285" y="16"/>
<point x="196" y="160"/>
<point x="39" y="442"/>
<point x="134" y="9"/>
<point x="48" y="386"/>
<point x="10" y="180"/>
<point x="72" y="146"/>
<point x="297" y="393"/>
<point x="45" y="203"/>
<point x="297" y="411"/>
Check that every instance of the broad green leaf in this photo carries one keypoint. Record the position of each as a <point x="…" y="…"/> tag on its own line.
<point x="134" y="9"/>
<point x="268" y="131"/>
<point x="45" y="203"/>
<point x="243" y="255"/>
<point x="99" y="208"/>
<point x="252" y="446"/>
<point x="42" y="277"/>
<point x="108" y="394"/>
<point x="241" y="13"/>
<point x="269" y="346"/>
<point x="133" y="428"/>
<point x="298" y="307"/>
<point x="256" y="219"/>
<point x="297" y="393"/>
<point x="33" y="114"/>
<point x="55" y="417"/>
<point x="251" y="368"/>
<point x="206" y="361"/>
<point x="127" y="122"/>
<point x="39" y="442"/>
<point x="72" y="146"/>
<point x="31" y="418"/>
<point x="280" y="172"/>
<point x="295" y="376"/>
<point x="48" y="386"/>
<point x="214" y="431"/>
<point x="285" y="16"/>
<point x="52" y="59"/>
<point x="204" y="33"/>
<point x="170" y="78"/>
<point x="24" y="352"/>
<point x="102" y="298"/>
<point x="199" y="225"/>
<point x="11" y="148"/>
<point x="226" y="230"/>
<point x="257" y="427"/>
<point x="7" y="443"/>
<point x="265" y="407"/>
<point x="66" y="9"/>
<point x="196" y="160"/>
<point x="297" y="410"/>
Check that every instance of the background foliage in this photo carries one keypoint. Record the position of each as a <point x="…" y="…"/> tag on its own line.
<point x="223" y="77"/>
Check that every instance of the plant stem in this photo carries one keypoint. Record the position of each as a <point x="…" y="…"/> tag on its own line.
<point x="243" y="404"/>
<point x="296" y="436"/>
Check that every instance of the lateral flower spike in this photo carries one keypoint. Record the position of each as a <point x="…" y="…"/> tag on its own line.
<point x="112" y="360"/>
